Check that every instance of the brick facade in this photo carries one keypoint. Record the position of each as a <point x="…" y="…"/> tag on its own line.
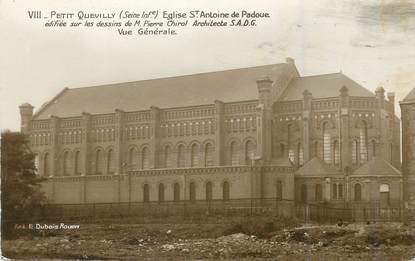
<point x="292" y="140"/>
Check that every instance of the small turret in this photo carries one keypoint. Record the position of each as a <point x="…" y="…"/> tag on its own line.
<point x="26" y="113"/>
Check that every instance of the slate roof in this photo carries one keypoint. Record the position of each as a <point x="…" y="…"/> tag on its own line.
<point x="189" y="90"/>
<point x="316" y="167"/>
<point x="410" y="96"/>
<point x="323" y="86"/>
<point x="377" y="166"/>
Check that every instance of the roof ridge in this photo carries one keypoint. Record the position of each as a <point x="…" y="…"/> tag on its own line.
<point x="319" y="75"/>
<point x="177" y="76"/>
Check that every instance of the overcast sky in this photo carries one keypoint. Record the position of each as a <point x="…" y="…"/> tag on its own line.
<point x="371" y="41"/>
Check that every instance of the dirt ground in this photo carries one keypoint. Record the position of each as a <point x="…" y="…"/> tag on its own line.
<point x="250" y="240"/>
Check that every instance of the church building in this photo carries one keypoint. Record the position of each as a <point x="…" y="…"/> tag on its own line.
<point x="259" y="132"/>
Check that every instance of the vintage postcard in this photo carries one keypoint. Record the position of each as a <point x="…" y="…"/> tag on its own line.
<point x="208" y="130"/>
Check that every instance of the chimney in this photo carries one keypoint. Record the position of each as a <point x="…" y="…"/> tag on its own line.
<point x="26" y="113"/>
<point x="289" y="60"/>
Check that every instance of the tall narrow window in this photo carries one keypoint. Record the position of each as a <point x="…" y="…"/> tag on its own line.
<point x="110" y="162"/>
<point x="279" y="190"/>
<point x="282" y="150"/>
<point x="176" y="192"/>
<point x="234" y="154"/>
<point x="363" y="142"/>
<point x="37" y="159"/>
<point x="180" y="156"/>
<point x="132" y="158"/>
<point x="315" y="149"/>
<point x="46" y="168"/>
<point x="249" y="152"/>
<point x="98" y="162"/>
<point x="66" y="163"/>
<point x="391" y="152"/>
<point x="300" y="155"/>
<point x="225" y="190"/>
<point x="373" y="148"/>
<point x="194" y="156"/>
<point x="167" y="157"/>
<point x="336" y="149"/>
<point x="334" y="191"/>
<point x="357" y="192"/>
<point x="161" y="192"/>
<point x="208" y="155"/>
<point x="326" y="144"/>
<point x="146" y="193"/>
<point x="318" y="192"/>
<point x="291" y="146"/>
<point x="304" y="193"/>
<point x="77" y="162"/>
<point x="208" y="191"/>
<point x="192" y="191"/>
<point x="354" y="152"/>
<point x="145" y="158"/>
<point x="340" y="191"/>
<point x="384" y="194"/>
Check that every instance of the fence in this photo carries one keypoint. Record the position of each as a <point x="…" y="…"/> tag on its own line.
<point x="310" y="212"/>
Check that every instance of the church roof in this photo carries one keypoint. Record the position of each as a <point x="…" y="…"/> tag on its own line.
<point x="410" y="96"/>
<point x="315" y="167"/>
<point x="376" y="166"/>
<point x="323" y="86"/>
<point x="189" y="90"/>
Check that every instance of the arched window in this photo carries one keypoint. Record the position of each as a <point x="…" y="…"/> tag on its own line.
<point x="208" y="155"/>
<point x="304" y="193"/>
<point x="225" y="190"/>
<point x="336" y="149"/>
<point x="363" y="142"/>
<point x="357" y="192"/>
<point x="279" y="190"/>
<point x="77" y="162"/>
<point x="161" y="192"/>
<point x="132" y="158"/>
<point x="146" y="193"/>
<point x="98" y="162"/>
<point x="208" y="191"/>
<point x="249" y="152"/>
<point x="110" y="162"/>
<point x="167" y="157"/>
<point x="46" y="168"/>
<point x="318" y="192"/>
<point x="194" y="156"/>
<point x="176" y="192"/>
<point x="180" y="156"/>
<point x="355" y="153"/>
<point x="234" y="154"/>
<point x="192" y="191"/>
<point x="66" y="163"/>
<point x="291" y="146"/>
<point x="145" y="158"/>
<point x="326" y="144"/>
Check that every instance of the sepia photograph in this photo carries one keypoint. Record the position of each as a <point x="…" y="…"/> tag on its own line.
<point x="195" y="130"/>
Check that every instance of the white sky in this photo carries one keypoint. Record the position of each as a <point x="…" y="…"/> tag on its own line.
<point x="371" y="41"/>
